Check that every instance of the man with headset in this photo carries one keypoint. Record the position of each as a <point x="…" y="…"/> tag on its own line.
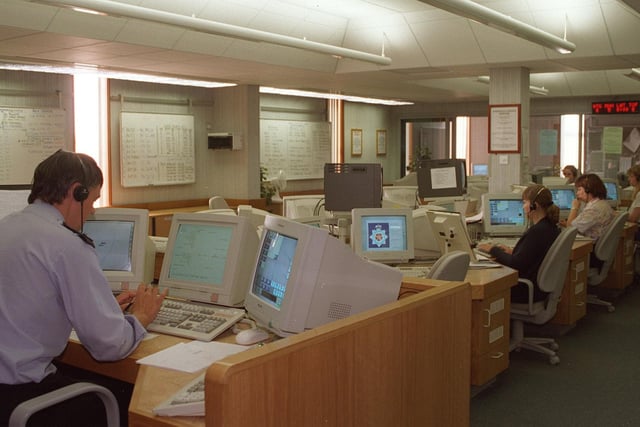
<point x="51" y="282"/>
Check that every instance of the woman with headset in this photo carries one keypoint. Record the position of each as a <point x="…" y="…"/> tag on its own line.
<point x="528" y="253"/>
<point x="596" y="213"/>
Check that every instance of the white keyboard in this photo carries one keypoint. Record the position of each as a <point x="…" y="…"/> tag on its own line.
<point x="188" y="401"/>
<point x="198" y="321"/>
<point x="415" y="271"/>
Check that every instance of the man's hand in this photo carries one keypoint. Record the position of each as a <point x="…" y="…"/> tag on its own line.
<point x="147" y="303"/>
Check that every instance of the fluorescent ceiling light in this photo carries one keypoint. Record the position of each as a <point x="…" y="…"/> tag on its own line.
<point x="502" y="22"/>
<point x="536" y="90"/>
<point x="110" y="74"/>
<point x="217" y="28"/>
<point x="634" y="74"/>
<point x="309" y="94"/>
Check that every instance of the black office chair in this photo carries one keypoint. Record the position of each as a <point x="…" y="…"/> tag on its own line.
<point x="551" y="278"/>
<point x="605" y="250"/>
<point x="21" y="413"/>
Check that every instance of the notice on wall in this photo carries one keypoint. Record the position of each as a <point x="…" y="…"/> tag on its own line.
<point x="28" y="136"/>
<point x="156" y="149"/>
<point x="298" y="148"/>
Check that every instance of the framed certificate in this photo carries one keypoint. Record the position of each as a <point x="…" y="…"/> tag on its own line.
<point x="381" y="142"/>
<point x="356" y="142"/>
<point x="504" y="128"/>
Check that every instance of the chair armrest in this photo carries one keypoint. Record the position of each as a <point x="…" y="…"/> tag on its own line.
<point x="26" y="409"/>
<point x="529" y="284"/>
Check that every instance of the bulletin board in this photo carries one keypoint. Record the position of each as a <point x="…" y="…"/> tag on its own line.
<point x="28" y="136"/>
<point x="299" y="148"/>
<point x="156" y="149"/>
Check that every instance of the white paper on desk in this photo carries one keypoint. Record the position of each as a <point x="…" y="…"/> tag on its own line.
<point x="192" y="356"/>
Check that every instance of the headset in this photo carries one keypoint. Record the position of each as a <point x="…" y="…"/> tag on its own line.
<point x="533" y="206"/>
<point x="81" y="192"/>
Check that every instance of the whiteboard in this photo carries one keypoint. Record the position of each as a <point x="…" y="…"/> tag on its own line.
<point x="156" y="149"/>
<point x="28" y="136"/>
<point x="299" y="148"/>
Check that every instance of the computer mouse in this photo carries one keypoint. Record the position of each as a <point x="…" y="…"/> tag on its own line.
<point x="251" y="336"/>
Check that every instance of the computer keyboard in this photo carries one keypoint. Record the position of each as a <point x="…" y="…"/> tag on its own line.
<point x="198" y="321"/>
<point x="414" y="271"/>
<point x="188" y="401"/>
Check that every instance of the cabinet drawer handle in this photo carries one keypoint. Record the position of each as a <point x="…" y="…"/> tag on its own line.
<point x="497" y="355"/>
<point x="488" y="324"/>
<point x="579" y="304"/>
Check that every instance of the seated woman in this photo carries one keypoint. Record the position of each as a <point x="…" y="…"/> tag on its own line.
<point x="596" y="213"/>
<point x="528" y="253"/>
<point x="571" y="173"/>
<point x="634" y="180"/>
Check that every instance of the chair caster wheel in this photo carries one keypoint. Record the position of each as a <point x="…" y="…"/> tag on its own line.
<point x="611" y="309"/>
<point x="554" y="346"/>
<point x="554" y="360"/>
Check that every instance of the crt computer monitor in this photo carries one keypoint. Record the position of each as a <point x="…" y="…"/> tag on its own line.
<point x="209" y="258"/>
<point x="425" y="244"/>
<point x="480" y="169"/>
<point x="303" y="205"/>
<point x="442" y="178"/>
<point x="304" y="277"/>
<point x="382" y="234"/>
<point x="503" y="214"/>
<point x="613" y="191"/>
<point x="352" y="185"/>
<point x="563" y="197"/>
<point x="450" y="230"/>
<point x="401" y="195"/>
<point x="125" y="251"/>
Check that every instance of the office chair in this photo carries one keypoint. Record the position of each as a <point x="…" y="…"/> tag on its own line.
<point x="551" y="278"/>
<point x="451" y="266"/>
<point x="218" y="202"/>
<point x="21" y="414"/>
<point x="605" y="250"/>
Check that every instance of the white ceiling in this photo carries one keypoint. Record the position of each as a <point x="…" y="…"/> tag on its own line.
<point x="435" y="55"/>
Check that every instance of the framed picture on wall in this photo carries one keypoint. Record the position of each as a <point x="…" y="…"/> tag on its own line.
<point x="356" y="142"/>
<point x="381" y="142"/>
<point x="504" y="128"/>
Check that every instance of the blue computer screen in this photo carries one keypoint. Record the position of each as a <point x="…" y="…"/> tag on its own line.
<point x="383" y="233"/>
<point x="480" y="169"/>
<point x="563" y="197"/>
<point x="612" y="190"/>
<point x="506" y="212"/>
<point x="275" y="261"/>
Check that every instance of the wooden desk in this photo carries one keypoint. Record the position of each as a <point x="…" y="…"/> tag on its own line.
<point x="621" y="273"/>
<point x="490" y="320"/>
<point x="405" y="363"/>
<point x="573" y="301"/>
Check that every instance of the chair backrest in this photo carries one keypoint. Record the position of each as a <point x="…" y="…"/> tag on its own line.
<point x="605" y="248"/>
<point x="451" y="266"/>
<point x="553" y="271"/>
<point x="218" y="202"/>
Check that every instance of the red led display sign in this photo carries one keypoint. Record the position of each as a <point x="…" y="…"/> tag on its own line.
<point x="615" y="107"/>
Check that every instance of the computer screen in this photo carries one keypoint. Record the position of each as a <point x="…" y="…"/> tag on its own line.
<point x="304" y="205"/>
<point x="125" y="251"/>
<point x="480" y="169"/>
<point x="450" y="230"/>
<point x="442" y="178"/>
<point x="352" y="185"/>
<point x="613" y="191"/>
<point x="209" y="258"/>
<point x="503" y="214"/>
<point x="303" y="277"/>
<point x="563" y="196"/>
<point x="382" y="234"/>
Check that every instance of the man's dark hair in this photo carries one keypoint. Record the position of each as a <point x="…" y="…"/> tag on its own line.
<point x="57" y="173"/>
